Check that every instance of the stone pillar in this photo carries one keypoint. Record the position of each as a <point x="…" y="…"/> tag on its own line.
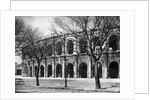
<point x="63" y="68"/>
<point x="74" y="47"/>
<point x="45" y="68"/>
<point x="77" y="47"/>
<point x="25" y="70"/>
<point x="53" y="71"/>
<point x="104" y="71"/>
<point x="75" y="69"/>
<point x="89" y="68"/>
<point x="46" y="71"/>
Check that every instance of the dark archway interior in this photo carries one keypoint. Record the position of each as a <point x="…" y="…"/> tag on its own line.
<point x="49" y="50"/>
<point x="82" y="46"/>
<point x="70" y="46"/>
<point x="19" y="71"/>
<point x="113" y="70"/>
<point x="31" y="71"/>
<point x="35" y="70"/>
<point x="49" y="70"/>
<point x="70" y="70"/>
<point x="59" y="48"/>
<point x="27" y="71"/>
<point x="83" y="70"/>
<point x="42" y="71"/>
<point x="58" y="70"/>
<point x="113" y="42"/>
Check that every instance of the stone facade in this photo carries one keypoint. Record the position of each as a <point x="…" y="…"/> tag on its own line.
<point x="79" y="65"/>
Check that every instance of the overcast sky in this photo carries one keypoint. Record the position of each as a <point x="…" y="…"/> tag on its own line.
<point x="41" y="22"/>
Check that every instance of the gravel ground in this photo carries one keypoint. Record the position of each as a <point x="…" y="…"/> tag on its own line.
<point x="75" y="85"/>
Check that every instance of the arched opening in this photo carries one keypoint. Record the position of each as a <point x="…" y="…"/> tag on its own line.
<point x="59" y="48"/>
<point x="49" y="50"/>
<point x="19" y="71"/>
<point x="42" y="71"/>
<point x="113" y="42"/>
<point x="82" y="46"/>
<point x="83" y="70"/>
<point x="58" y="70"/>
<point x="70" y="46"/>
<point x="113" y="70"/>
<point x="35" y="70"/>
<point x="70" y="70"/>
<point x="49" y="70"/>
<point x="31" y="71"/>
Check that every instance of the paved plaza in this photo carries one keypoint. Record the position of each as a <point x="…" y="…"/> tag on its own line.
<point x="75" y="85"/>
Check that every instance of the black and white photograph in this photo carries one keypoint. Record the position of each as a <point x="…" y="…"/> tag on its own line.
<point x="67" y="54"/>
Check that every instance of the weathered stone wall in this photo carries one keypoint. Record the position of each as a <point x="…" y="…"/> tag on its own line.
<point x="76" y="61"/>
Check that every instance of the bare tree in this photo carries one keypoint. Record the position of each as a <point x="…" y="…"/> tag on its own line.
<point x="28" y="43"/>
<point x="95" y="31"/>
<point x="34" y="49"/>
<point x="19" y="32"/>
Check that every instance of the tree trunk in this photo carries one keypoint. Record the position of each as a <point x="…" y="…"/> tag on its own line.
<point x="37" y="74"/>
<point x="97" y="81"/>
<point x="37" y="80"/>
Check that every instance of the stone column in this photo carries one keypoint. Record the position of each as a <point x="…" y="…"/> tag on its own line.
<point x="104" y="71"/>
<point x="25" y="71"/>
<point x="74" y="47"/>
<point x="75" y="69"/>
<point x="45" y="68"/>
<point x="63" y="68"/>
<point x="53" y="71"/>
<point x="89" y="68"/>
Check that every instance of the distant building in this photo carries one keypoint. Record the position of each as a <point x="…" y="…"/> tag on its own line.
<point x="18" y="69"/>
<point x="79" y="65"/>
